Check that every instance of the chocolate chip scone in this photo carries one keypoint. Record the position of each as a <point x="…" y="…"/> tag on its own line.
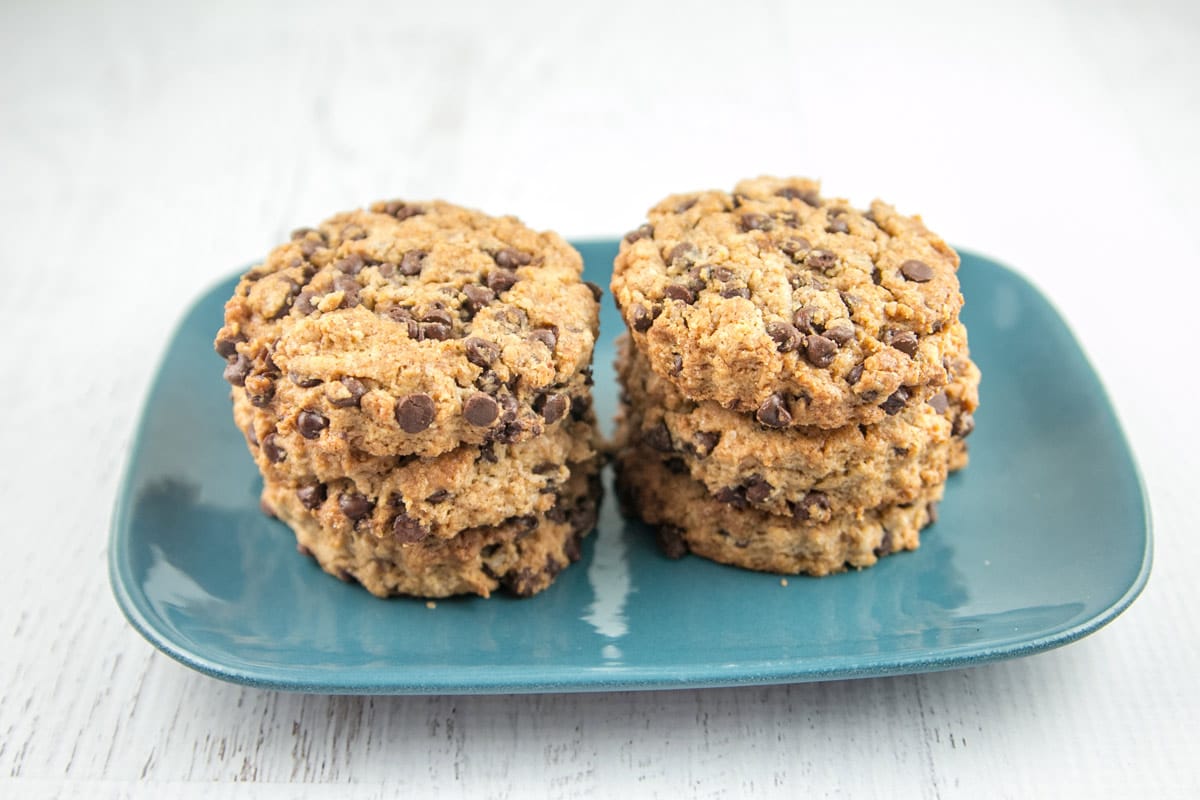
<point x="412" y="329"/>
<point x="522" y="554"/>
<point x="413" y="496"/>
<point x="689" y="519"/>
<point x="413" y="382"/>
<point x="811" y="474"/>
<point x="798" y="309"/>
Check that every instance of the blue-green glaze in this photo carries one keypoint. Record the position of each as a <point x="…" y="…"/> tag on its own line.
<point x="1042" y="540"/>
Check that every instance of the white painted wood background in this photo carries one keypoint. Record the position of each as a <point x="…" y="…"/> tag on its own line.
<point x="148" y="149"/>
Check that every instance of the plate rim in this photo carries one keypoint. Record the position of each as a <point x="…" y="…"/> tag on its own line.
<point x="497" y="679"/>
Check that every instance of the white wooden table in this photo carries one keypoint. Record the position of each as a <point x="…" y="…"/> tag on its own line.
<point x="148" y="149"/>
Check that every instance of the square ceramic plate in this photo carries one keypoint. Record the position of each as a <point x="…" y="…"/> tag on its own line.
<point x="1042" y="540"/>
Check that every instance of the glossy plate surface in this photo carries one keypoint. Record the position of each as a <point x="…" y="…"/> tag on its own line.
<point x="1042" y="540"/>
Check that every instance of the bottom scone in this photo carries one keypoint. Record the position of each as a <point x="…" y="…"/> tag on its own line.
<point x="688" y="518"/>
<point x="522" y="554"/>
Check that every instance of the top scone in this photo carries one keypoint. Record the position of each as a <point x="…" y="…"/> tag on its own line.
<point x="413" y="329"/>
<point x="774" y="301"/>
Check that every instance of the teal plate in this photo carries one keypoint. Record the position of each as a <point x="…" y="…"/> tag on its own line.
<point x="1042" y="540"/>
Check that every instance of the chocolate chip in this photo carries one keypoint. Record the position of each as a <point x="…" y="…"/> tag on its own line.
<point x="595" y="289"/>
<point x="820" y="259"/>
<point x="792" y="193"/>
<point x="676" y="364"/>
<point x="310" y="423"/>
<point x="786" y="337"/>
<point x="311" y="495"/>
<point x="301" y="233"/>
<point x="683" y="254"/>
<point x="580" y="405"/>
<point x="757" y="489"/>
<point x="939" y="402"/>
<point x="501" y="280"/>
<point x="640" y="317"/>
<point x="487" y="453"/>
<point x="885" y="544"/>
<point x="481" y="352"/>
<point x="916" y="271"/>
<point x="411" y="263"/>
<point x="695" y="279"/>
<point x="840" y="333"/>
<point x="735" y="291"/>
<point x="260" y="390"/>
<point x="304" y="302"/>
<point x="671" y="541"/>
<point x="415" y="413"/>
<point x="837" y="226"/>
<point x="351" y="265"/>
<point x="252" y="435"/>
<point x="704" y="442"/>
<point x="302" y="550"/>
<point x="400" y="315"/>
<point x="236" y="370"/>
<point x="355" y="505"/>
<point x="481" y="410"/>
<point x="227" y="347"/>
<point x="271" y="449"/>
<point x="675" y="291"/>
<point x="658" y="438"/>
<point x="553" y="407"/>
<point x="757" y="222"/>
<point x="963" y="425"/>
<point x="895" y="402"/>
<point x="734" y="496"/>
<point x="643" y="232"/>
<point x="819" y="350"/>
<point x="435" y="331"/>
<point x="356" y="388"/>
<point x="803" y="319"/>
<point x="387" y="269"/>
<point x="477" y="297"/>
<point x="795" y="246"/>
<point x="303" y="382"/>
<point x="774" y="412"/>
<point x="855" y="373"/>
<point x="686" y="204"/>
<point x="546" y="336"/>
<point x="508" y="258"/>
<point x="545" y="468"/>
<point x="904" y="341"/>
<point x="349" y="287"/>
<point x="439" y="315"/>
<point x="722" y="274"/>
<point x="932" y="511"/>
<point x="408" y="530"/>
<point x="398" y="209"/>
<point x="309" y="247"/>
<point x="812" y="504"/>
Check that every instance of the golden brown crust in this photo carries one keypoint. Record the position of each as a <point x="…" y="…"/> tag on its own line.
<point x="689" y="519"/>
<point x="809" y="473"/>
<point x="522" y="555"/>
<point x="801" y="310"/>
<point x="413" y="332"/>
